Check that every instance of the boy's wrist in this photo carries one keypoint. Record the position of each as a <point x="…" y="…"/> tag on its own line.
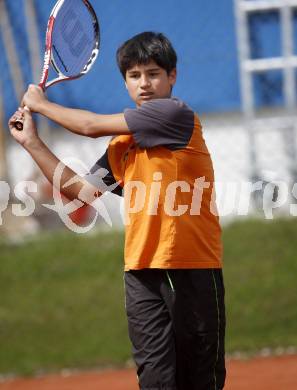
<point x="43" y="106"/>
<point x="33" y="143"/>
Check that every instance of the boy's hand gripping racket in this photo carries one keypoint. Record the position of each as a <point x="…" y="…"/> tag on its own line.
<point x="72" y="42"/>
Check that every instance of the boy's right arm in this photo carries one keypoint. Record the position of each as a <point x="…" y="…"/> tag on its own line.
<point x="48" y="162"/>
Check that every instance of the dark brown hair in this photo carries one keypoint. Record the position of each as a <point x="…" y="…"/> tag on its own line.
<point x="143" y="48"/>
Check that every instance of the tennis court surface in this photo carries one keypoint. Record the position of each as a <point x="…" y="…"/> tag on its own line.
<point x="274" y="373"/>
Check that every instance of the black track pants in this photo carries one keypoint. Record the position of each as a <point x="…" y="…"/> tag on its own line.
<point x="176" y="322"/>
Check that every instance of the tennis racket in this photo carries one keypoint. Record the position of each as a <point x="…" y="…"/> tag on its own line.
<point x="72" y="43"/>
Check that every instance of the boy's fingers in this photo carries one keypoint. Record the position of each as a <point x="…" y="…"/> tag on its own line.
<point x="27" y="113"/>
<point x="12" y="124"/>
<point x="18" y="116"/>
<point x="13" y="119"/>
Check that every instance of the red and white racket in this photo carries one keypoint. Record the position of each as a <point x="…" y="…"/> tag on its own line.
<point x="72" y="42"/>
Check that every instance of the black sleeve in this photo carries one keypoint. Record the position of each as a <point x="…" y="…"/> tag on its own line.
<point x="101" y="176"/>
<point x="161" y="122"/>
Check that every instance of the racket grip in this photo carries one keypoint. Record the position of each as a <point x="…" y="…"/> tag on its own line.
<point x="19" y="125"/>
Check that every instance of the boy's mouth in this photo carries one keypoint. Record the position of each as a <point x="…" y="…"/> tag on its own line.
<point x="146" y="94"/>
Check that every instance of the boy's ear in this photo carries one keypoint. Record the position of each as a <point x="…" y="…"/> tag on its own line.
<point x="172" y="76"/>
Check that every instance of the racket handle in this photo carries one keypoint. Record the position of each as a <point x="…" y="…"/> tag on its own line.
<point x="19" y="125"/>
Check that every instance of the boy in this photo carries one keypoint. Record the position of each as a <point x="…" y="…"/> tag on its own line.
<point x="173" y="278"/>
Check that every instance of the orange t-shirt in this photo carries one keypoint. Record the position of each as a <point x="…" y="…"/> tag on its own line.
<point x="166" y="171"/>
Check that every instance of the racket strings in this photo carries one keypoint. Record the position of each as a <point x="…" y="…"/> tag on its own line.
<point x="74" y="34"/>
<point x="74" y="38"/>
<point x="60" y="58"/>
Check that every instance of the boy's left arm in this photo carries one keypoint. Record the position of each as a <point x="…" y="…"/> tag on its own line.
<point x="78" y="121"/>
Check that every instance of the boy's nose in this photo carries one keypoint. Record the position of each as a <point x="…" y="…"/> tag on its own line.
<point x="145" y="82"/>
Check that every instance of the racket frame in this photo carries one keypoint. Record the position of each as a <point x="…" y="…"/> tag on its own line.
<point x="48" y="56"/>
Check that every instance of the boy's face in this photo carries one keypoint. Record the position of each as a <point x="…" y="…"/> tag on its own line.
<point x="150" y="81"/>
